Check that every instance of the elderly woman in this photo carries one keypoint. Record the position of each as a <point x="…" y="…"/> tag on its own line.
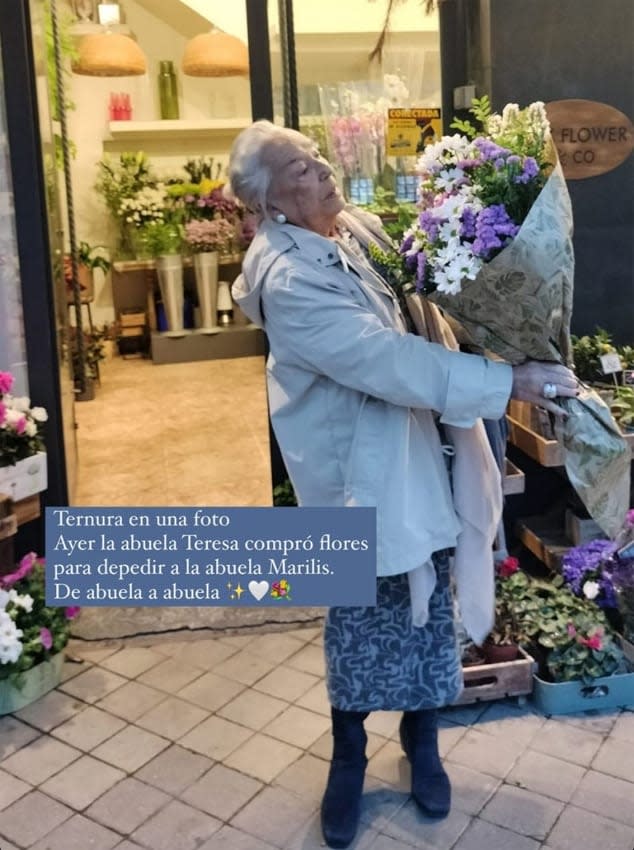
<point x="361" y="408"/>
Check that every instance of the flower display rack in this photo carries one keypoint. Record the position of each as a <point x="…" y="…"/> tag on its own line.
<point x="602" y="693"/>
<point x="546" y="452"/>
<point x="514" y="480"/>
<point x="495" y="681"/>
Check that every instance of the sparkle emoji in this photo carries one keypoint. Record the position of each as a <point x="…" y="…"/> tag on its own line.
<point x="281" y="590"/>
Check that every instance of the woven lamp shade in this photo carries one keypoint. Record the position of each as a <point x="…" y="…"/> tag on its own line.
<point x="109" y="54"/>
<point x="215" y="54"/>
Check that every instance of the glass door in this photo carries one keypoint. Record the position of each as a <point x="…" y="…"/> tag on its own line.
<point x="51" y="146"/>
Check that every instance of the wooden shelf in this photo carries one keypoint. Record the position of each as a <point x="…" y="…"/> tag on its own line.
<point x="123" y="266"/>
<point x="139" y="130"/>
<point x="544" y="539"/>
<point x="514" y="480"/>
<point x="27" y="509"/>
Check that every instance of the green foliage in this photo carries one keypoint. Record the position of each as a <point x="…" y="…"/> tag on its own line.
<point x="162" y="237"/>
<point x="68" y="53"/>
<point x="93" y="354"/>
<point x="552" y="619"/>
<point x="622" y="407"/>
<point x="390" y="265"/>
<point x="586" y="351"/>
<point x="481" y="111"/>
<point x="123" y="178"/>
<point x="202" y="168"/>
<point x="87" y="255"/>
<point x="284" y="495"/>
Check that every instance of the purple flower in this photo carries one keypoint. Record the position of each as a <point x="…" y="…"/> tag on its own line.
<point x="493" y="229"/>
<point x="468" y="223"/>
<point x="406" y="244"/>
<point x="530" y="170"/>
<point x="429" y="224"/>
<point x="593" y="561"/>
<point x="489" y="150"/>
<point x="421" y="263"/>
<point x="46" y="638"/>
<point x="71" y="611"/>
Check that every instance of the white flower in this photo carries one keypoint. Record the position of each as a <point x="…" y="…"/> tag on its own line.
<point x="24" y="601"/>
<point x="30" y="429"/>
<point x="39" y="414"/>
<point x="510" y="115"/>
<point x="21" y="403"/>
<point x="10" y="651"/>
<point x="591" y="589"/>
<point x="448" y="177"/>
<point x="12" y="416"/>
<point x="4" y="601"/>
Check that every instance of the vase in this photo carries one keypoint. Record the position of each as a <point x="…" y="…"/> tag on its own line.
<point x="206" y="271"/>
<point x="225" y="304"/>
<point x="25" y="478"/>
<point x="170" y="275"/>
<point x="31" y="684"/>
<point x="496" y="653"/>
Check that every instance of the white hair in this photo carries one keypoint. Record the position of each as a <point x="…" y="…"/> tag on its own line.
<point x="250" y="170"/>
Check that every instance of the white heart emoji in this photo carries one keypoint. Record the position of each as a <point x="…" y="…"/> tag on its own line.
<point x="258" y="589"/>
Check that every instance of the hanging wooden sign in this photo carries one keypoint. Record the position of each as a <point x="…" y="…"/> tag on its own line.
<point x="591" y="138"/>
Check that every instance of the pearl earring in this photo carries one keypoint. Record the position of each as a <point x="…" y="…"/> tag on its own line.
<point x="280" y="218"/>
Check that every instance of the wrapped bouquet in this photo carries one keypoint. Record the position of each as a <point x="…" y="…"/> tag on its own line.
<point x="492" y="247"/>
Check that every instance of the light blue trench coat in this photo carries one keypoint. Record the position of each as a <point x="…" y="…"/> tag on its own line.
<point x="352" y="394"/>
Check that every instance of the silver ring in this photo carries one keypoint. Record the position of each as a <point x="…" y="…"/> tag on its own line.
<point x="549" y="391"/>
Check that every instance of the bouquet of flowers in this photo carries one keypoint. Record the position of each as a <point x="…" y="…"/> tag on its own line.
<point x="30" y="630"/>
<point x="21" y="426"/>
<point x="215" y="234"/>
<point x="147" y="205"/>
<point x="492" y="246"/>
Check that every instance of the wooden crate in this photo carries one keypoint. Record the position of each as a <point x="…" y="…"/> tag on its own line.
<point x="496" y="681"/>
<point x="545" y="538"/>
<point x="545" y="452"/>
<point x="514" y="480"/>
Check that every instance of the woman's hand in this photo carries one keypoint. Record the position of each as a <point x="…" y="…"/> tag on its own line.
<point x="531" y="380"/>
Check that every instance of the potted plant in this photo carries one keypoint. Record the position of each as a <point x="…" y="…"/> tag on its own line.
<point x="34" y="635"/>
<point x="88" y="364"/>
<point x="581" y="664"/>
<point x="88" y="259"/>
<point x="22" y="455"/>
<point x="502" y="644"/>
<point x="622" y="407"/>
<point x="164" y="241"/>
<point x="207" y="239"/>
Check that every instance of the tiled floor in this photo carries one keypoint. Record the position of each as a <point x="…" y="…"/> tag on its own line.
<point x="223" y="744"/>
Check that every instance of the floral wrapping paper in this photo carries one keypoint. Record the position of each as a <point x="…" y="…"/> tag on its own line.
<point x="519" y="307"/>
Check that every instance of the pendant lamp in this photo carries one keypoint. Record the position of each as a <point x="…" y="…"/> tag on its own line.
<point x="215" y="54"/>
<point x="109" y="54"/>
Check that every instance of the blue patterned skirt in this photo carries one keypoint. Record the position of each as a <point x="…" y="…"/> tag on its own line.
<point x="376" y="660"/>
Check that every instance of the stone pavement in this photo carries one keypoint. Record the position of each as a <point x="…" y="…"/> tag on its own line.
<point x="223" y="743"/>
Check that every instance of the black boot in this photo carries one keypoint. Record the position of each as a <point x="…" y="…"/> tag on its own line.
<point x="430" y="784"/>
<point x="341" y="805"/>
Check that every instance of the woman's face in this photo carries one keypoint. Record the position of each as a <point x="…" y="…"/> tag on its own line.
<point x="303" y="186"/>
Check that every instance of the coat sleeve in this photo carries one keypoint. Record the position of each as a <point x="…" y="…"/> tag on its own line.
<point x="316" y="320"/>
